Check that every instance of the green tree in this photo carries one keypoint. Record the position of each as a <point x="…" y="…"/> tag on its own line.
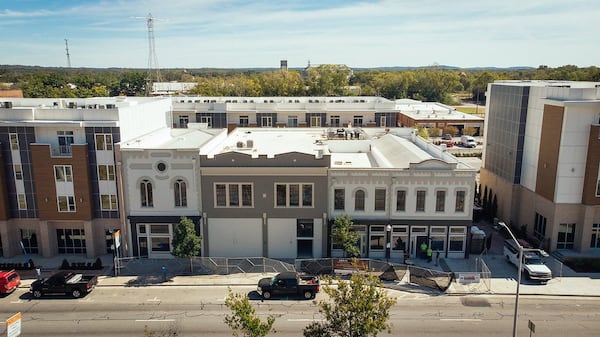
<point x="343" y="235"/>
<point x="186" y="243"/>
<point x="422" y="132"/>
<point x="356" y="308"/>
<point x="328" y="79"/>
<point x="243" y="319"/>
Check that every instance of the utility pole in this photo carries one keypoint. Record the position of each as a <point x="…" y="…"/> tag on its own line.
<point x="153" y="69"/>
<point x="68" y="55"/>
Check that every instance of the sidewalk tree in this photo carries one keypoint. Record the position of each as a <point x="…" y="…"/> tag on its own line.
<point x="186" y="243"/>
<point x="243" y="319"/>
<point x="356" y="308"/>
<point x="343" y="235"/>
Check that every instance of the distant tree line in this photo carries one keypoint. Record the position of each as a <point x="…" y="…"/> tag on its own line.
<point x="425" y="84"/>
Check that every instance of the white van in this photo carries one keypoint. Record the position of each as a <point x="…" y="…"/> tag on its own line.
<point x="468" y="141"/>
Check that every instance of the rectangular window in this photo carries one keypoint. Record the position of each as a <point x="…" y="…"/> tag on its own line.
<point x="106" y="172"/>
<point x="401" y="201"/>
<point x="598" y="183"/>
<point x="294" y="195"/>
<point x="377" y="238"/>
<point x="460" y="201"/>
<point x="380" y="199"/>
<point x="315" y="121"/>
<point x="230" y="195"/>
<point x="65" y="139"/>
<point x="104" y="142"/>
<point x="14" y="141"/>
<point x="63" y="173"/>
<point x="292" y="121"/>
<point x="440" y="201"/>
<point x="22" y="201"/>
<point x="234" y="195"/>
<point x="382" y="121"/>
<point x="420" y="201"/>
<point x="183" y="121"/>
<point x="29" y="240"/>
<point x="339" y="199"/>
<point x="71" y="241"/>
<point x="566" y="236"/>
<point x="207" y="120"/>
<point x="305" y="229"/>
<point x="108" y="202"/>
<point x="266" y="121"/>
<point x="18" y="171"/>
<point x="595" y="237"/>
<point x="334" y="121"/>
<point x="539" y="227"/>
<point x="244" y="121"/>
<point x="357" y="121"/>
<point x="66" y="203"/>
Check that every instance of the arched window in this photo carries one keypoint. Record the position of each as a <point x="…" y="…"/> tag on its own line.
<point x="180" y="193"/>
<point x="359" y="200"/>
<point x="146" y="193"/>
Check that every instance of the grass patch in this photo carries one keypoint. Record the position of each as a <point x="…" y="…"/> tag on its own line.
<point x="472" y="110"/>
<point x="583" y="265"/>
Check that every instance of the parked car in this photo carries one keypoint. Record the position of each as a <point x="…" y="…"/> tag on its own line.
<point x="9" y="281"/>
<point x="446" y="136"/>
<point x="468" y="141"/>
<point x="532" y="265"/>
<point x="449" y="143"/>
<point x="289" y="284"/>
<point x="64" y="282"/>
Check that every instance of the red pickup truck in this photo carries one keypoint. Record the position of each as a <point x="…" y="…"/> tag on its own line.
<point x="9" y="281"/>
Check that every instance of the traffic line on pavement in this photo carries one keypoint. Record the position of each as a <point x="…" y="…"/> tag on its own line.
<point x="154" y="320"/>
<point x="461" y="319"/>
<point x="155" y="299"/>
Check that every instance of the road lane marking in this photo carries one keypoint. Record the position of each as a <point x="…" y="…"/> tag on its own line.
<point x="155" y="320"/>
<point x="155" y="299"/>
<point x="461" y="319"/>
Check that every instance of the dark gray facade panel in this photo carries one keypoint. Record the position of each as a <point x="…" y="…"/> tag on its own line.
<point x="507" y="116"/>
<point x="90" y="138"/>
<point x="291" y="159"/>
<point x="26" y="136"/>
<point x="265" y="186"/>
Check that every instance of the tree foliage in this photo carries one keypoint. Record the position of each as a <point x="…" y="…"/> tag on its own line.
<point x="356" y="308"/>
<point x="186" y="243"/>
<point x="243" y="319"/>
<point x="427" y="84"/>
<point x="343" y="235"/>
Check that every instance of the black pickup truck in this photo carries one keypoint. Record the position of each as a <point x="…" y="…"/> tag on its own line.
<point x="64" y="282"/>
<point x="288" y="284"/>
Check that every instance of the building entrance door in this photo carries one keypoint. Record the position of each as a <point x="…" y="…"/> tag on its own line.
<point x="415" y="246"/>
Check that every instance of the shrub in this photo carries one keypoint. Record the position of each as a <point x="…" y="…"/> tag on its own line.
<point x="65" y="264"/>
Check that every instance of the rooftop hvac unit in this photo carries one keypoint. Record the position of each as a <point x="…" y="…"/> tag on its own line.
<point x="250" y="143"/>
<point x="239" y="145"/>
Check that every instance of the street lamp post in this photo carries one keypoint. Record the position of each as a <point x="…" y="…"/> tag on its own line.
<point x="388" y="244"/>
<point x="518" y="277"/>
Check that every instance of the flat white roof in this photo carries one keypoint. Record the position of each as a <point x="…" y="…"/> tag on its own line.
<point x="173" y="139"/>
<point x="424" y="111"/>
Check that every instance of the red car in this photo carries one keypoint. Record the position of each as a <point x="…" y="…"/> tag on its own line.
<point x="9" y="281"/>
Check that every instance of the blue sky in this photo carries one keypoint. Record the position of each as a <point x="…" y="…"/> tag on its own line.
<point x="260" y="33"/>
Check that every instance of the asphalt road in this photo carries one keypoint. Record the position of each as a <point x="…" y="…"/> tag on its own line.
<point x="199" y="311"/>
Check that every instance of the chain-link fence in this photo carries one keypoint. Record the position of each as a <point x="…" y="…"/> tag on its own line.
<point x="200" y="266"/>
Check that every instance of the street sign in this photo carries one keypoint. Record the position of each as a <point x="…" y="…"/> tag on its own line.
<point x="531" y="326"/>
<point x="13" y="325"/>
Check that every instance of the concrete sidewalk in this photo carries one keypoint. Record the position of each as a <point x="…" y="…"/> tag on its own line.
<point x="502" y="281"/>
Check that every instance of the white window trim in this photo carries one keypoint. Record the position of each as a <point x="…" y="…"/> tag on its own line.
<point x="71" y="207"/>
<point x="300" y="197"/>
<point x="240" y="195"/>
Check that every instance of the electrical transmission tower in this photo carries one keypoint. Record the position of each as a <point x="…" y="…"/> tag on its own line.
<point x="68" y="55"/>
<point x="153" y="74"/>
